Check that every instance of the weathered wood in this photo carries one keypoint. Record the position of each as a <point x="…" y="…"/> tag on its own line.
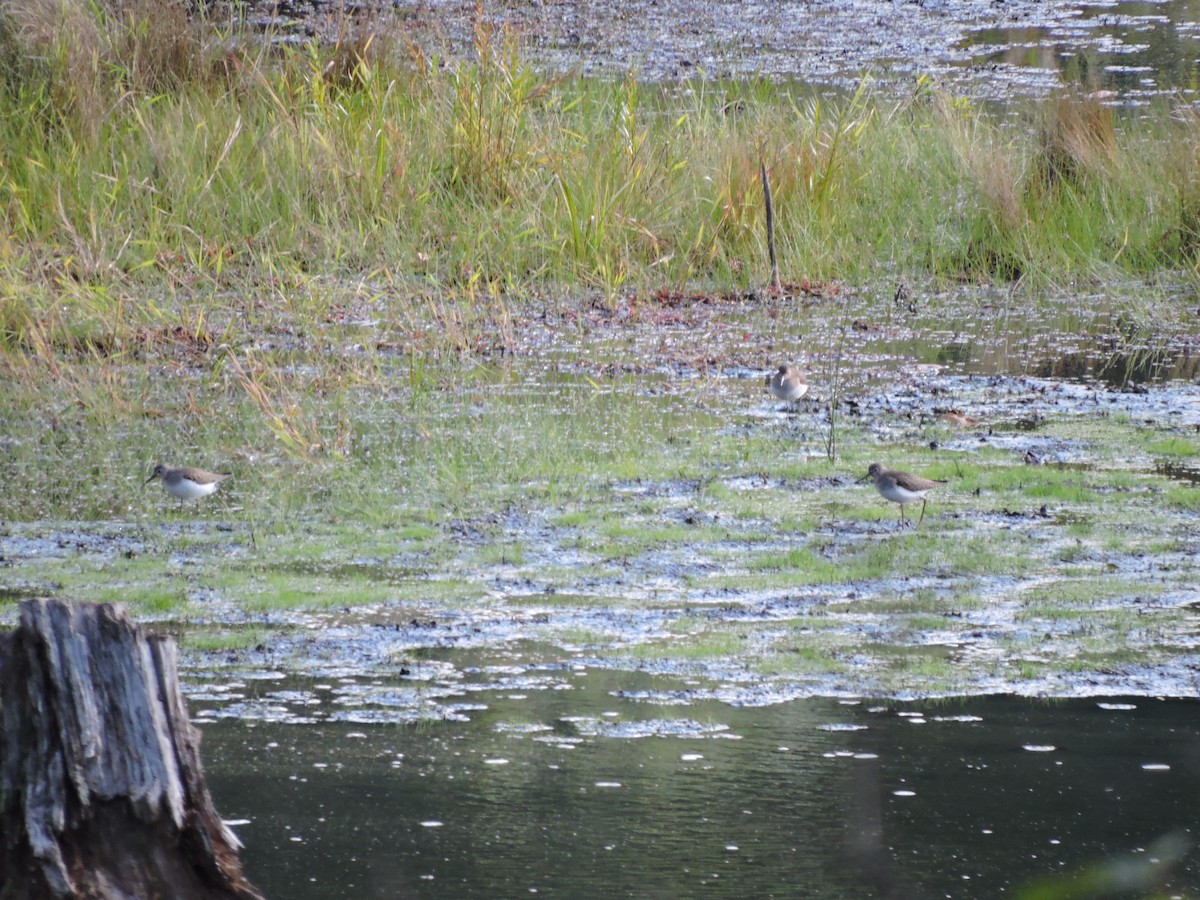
<point x="102" y="793"/>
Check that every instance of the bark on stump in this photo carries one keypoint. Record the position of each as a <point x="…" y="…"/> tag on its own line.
<point x="102" y="794"/>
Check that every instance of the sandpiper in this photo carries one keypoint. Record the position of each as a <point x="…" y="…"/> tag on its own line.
<point x="787" y="384"/>
<point x="901" y="487"/>
<point x="187" y="483"/>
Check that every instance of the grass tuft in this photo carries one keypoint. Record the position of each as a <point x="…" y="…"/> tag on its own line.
<point x="138" y="153"/>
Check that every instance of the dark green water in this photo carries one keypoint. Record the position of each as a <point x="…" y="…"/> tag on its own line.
<point x="1134" y="47"/>
<point x="552" y="793"/>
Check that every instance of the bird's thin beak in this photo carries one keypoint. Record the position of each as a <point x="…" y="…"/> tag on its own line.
<point x="861" y="480"/>
<point x="148" y="480"/>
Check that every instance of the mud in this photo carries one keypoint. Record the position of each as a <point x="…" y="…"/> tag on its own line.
<point x="1056" y="562"/>
<point x="538" y="626"/>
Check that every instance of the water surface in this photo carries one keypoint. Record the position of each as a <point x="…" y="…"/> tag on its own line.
<point x="976" y="47"/>
<point x="589" y="790"/>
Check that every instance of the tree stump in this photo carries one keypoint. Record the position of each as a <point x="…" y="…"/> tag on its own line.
<point x="102" y="793"/>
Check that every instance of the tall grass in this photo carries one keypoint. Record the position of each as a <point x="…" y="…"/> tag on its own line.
<point x="136" y="148"/>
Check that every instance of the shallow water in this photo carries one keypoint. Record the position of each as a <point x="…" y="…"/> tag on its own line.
<point x="1138" y="49"/>
<point x="666" y="515"/>
<point x="586" y="789"/>
<point x="619" y="667"/>
<point x="978" y="47"/>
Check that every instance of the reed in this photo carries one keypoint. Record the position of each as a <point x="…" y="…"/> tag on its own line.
<point x="140" y="156"/>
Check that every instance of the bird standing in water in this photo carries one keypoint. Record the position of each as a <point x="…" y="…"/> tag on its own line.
<point x="787" y="384"/>
<point x="901" y="487"/>
<point x="187" y="483"/>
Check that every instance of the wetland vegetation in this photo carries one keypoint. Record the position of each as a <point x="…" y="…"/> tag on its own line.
<point x="476" y="340"/>
<point x="483" y="346"/>
<point x="155" y="152"/>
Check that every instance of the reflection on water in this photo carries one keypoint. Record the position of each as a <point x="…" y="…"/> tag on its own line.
<point x="1137" y="49"/>
<point x="1094" y="352"/>
<point x="1118" y="369"/>
<point x="587" y="790"/>
<point x="1178" y="471"/>
<point x="987" y="48"/>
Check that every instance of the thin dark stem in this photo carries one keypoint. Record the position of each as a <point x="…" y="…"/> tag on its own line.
<point x="835" y="382"/>
<point x="776" y="285"/>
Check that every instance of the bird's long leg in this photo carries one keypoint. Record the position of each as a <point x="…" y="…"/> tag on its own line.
<point x="901" y="512"/>
<point x="922" y="519"/>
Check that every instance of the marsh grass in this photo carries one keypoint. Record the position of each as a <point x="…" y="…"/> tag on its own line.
<point x="1174" y="446"/>
<point x="211" y="639"/>
<point x="697" y="643"/>
<point x="804" y="655"/>
<point x="140" y="156"/>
